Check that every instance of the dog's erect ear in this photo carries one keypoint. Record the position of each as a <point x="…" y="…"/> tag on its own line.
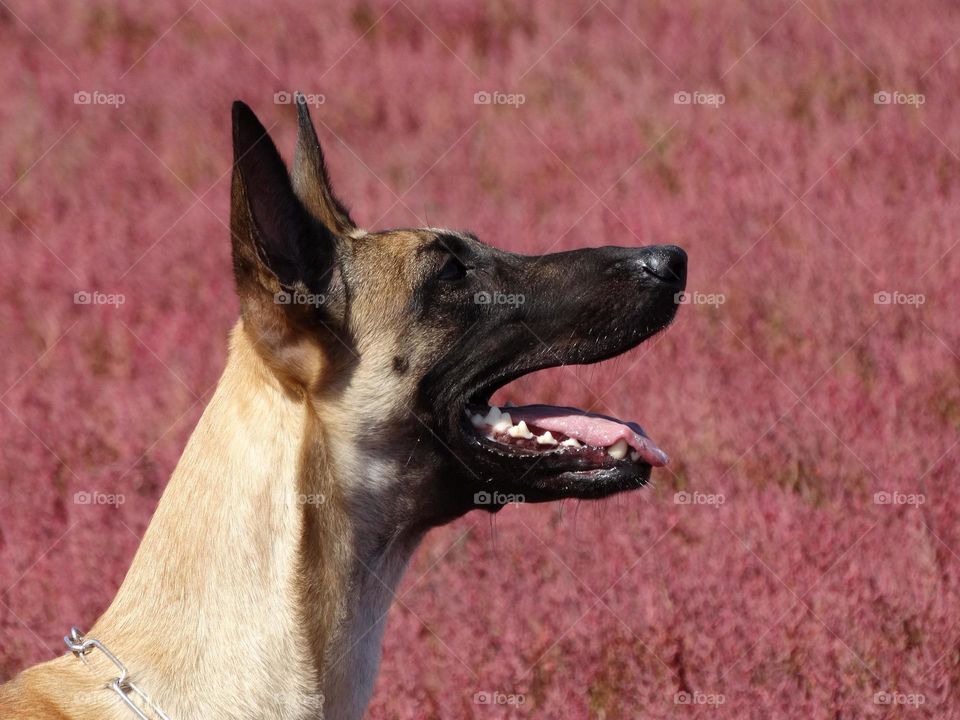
<point x="278" y="249"/>
<point x="310" y="179"/>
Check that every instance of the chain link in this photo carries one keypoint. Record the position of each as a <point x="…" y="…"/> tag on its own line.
<point x="80" y="646"/>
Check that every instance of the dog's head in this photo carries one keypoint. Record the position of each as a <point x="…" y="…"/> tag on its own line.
<point x="397" y="340"/>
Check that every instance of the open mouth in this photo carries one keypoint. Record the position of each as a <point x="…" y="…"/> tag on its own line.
<point x="588" y="440"/>
<point x="587" y="306"/>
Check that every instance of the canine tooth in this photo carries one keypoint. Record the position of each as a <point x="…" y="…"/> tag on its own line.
<point x="546" y="439"/>
<point x="520" y="430"/>
<point x="504" y="423"/>
<point x="634" y="455"/>
<point x="618" y="450"/>
<point x="571" y="442"/>
<point x="477" y="420"/>
<point x="493" y="414"/>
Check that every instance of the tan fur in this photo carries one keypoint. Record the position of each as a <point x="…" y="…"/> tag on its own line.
<point x="237" y="599"/>
<point x="262" y="583"/>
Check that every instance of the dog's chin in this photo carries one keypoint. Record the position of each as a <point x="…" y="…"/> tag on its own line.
<point x="583" y="484"/>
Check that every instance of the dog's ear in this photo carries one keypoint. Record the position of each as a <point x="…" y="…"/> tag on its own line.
<point x="310" y="179"/>
<point x="283" y="259"/>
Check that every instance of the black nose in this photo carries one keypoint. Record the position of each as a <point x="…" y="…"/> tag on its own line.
<point x="666" y="262"/>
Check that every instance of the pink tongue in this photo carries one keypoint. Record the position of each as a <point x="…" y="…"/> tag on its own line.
<point x="589" y="428"/>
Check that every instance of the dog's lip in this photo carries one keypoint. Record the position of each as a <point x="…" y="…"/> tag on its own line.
<point x="563" y="463"/>
<point x="536" y="430"/>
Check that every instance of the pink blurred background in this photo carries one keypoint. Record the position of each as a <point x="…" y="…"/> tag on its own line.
<point x="798" y="559"/>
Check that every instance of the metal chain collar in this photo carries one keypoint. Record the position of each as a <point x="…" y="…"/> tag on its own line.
<point x="121" y="685"/>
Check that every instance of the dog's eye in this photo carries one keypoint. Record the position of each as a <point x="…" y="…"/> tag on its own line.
<point x="452" y="270"/>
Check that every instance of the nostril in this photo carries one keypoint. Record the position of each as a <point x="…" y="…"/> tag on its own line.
<point x="666" y="262"/>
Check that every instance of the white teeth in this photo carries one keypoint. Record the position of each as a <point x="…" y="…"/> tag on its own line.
<point x="493" y="414"/>
<point x="500" y="422"/>
<point x="520" y="430"/>
<point x="618" y="451"/>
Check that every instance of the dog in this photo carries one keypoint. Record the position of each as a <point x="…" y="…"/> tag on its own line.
<point x="352" y="417"/>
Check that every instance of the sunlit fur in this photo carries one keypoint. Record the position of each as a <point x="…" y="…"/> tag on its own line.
<point x="261" y="587"/>
<point x="236" y="596"/>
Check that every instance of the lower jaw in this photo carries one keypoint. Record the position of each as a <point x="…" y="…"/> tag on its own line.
<point x="610" y="481"/>
<point x="540" y="477"/>
<point x="538" y="443"/>
<point x="592" y="484"/>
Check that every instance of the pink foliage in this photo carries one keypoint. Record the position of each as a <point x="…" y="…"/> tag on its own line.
<point x="788" y="588"/>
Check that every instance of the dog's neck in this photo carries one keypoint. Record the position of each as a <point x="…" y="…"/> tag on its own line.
<point x="254" y="593"/>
